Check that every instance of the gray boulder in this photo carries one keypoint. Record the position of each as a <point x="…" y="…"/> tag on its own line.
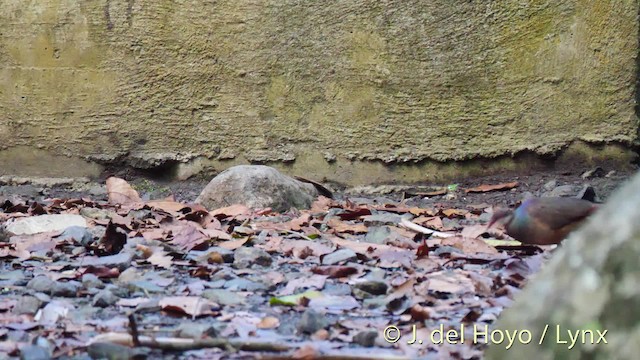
<point x="586" y="301"/>
<point x="257" y="186"/>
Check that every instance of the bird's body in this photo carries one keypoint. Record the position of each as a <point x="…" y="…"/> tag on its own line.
<point x="544" y="221"/>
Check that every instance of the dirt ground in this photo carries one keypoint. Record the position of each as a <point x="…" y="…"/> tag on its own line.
<point x="380" y="276"/>
<point x="604" y="182"/>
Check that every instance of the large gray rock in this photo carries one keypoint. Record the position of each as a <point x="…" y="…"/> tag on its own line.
<point x="257" y="186"/>
<point x="591" y="288"/>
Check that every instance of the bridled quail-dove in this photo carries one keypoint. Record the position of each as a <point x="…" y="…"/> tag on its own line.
<point x="544" y="221"/>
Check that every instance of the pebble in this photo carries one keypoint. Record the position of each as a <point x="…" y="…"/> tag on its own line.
<point x="377" y="234"/>
<point x="239" y="284"/>
<point x="33" y="352"/>
<point x="381" y="218"/>
<point x="587" y="193"/>
<point x="336" y="289"/>
<point x="91" y="281"/>
<point x="98" y="190"/>
<point x="42" y="297"/>
<point x="366" y="338"/>
<point x="27" y="305"/>
<point x="441" y="250"/>
<point x="593" y="173"/>
<point x="66" y="288"/>
<point x="310" y="322"/>
<point x="79" y="234"/>
<point x="338" y="256"/>
<point x="451" y="224"/>
<point x="561" y="191"/>
<point x="527" y="195"/>
<point x="111" y="351"/>
<point x="94" y="213"/>
<point x="141" y="214"/>
<point x="223" y="297"/>
<point x="372" y="287"/>
<point x="105" y="298"/>
<point x="226" y="254"/>
<point x="121" y="260"/>
<point x="550" y="185"/>
<point x="484" y="217"/>
<point x="374" y="303"/>
<point x="245" y="257"/>
<point x="119" y="291"/>
<point x="41" y="283"/>
<point x="97" y="232"/>
<point x="361" y="294"/>
<point x="195" y="331"/>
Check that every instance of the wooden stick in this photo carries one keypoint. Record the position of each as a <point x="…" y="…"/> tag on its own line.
<point x="180" y="344"/>
<point x="421" y="229"/>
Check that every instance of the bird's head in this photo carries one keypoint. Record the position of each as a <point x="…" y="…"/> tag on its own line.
<point x="500" y="216"/>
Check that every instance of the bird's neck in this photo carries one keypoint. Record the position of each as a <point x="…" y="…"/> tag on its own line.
<point x="518" y="219"/>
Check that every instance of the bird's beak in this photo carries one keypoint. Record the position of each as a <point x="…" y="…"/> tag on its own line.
<point x="497" y="216"/>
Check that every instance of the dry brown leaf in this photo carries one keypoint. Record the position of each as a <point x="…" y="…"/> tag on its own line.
<point x="364" y="248"/>
<point x="431" y="222"/>
<point x="167" y="205"/>
<point x="454" y="212"/>
<point x="190" y="305"/>
<point x="268" y="322"/>
<point x="24" y="245"/>
<point x="299" y="222"/>
<point x="120" y="192"/>
<point x="306" y="352"/>
<point x="394" y="258"/>
<point x="154" y="234"/>
<point x="343" y="227"/>
<point x="495" y="187"/>
<point x="335" y="271"/>
<point x="160" y="258"/>
<point x="469" y="245"/>
<point x="483" y="284"/>
<point x="231" y="211"/>
<point x="215" y="258"/>
<point x="420" y="313"/>
<point x="308" y="282"/>
<point x="187" y="236"/>
<point x="303" y="248"/>
<point x="426" y="264"/>
<point x="454" y="282"/>
<point x="273" y="277"/>
<point x="233" y="244"/>
<point x="320" y="335"/>
<point x="268" y="225"/>
<point x="213" y="233"/>
<point x="273" y="244"/>
<point x="473" y="231"/>
<point x="420" y="211"/>
<point x="406" y="288"/>
<point x="322" y="204"/>
<point x="146" y="250"/>
<point x="354" y="213"/>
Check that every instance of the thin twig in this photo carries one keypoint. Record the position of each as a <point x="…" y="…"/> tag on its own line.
<point x="133" y="328"/>
<point x="180" y="344"/>
<point x="340" y="357"/>
<point x="421" y="229"/>
<point x="301" y="235"/>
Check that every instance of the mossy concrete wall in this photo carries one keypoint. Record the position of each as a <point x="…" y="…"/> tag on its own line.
<point x="311" y="83"/>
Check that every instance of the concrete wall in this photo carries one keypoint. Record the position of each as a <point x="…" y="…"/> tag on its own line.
<point x="324" y="86"/>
